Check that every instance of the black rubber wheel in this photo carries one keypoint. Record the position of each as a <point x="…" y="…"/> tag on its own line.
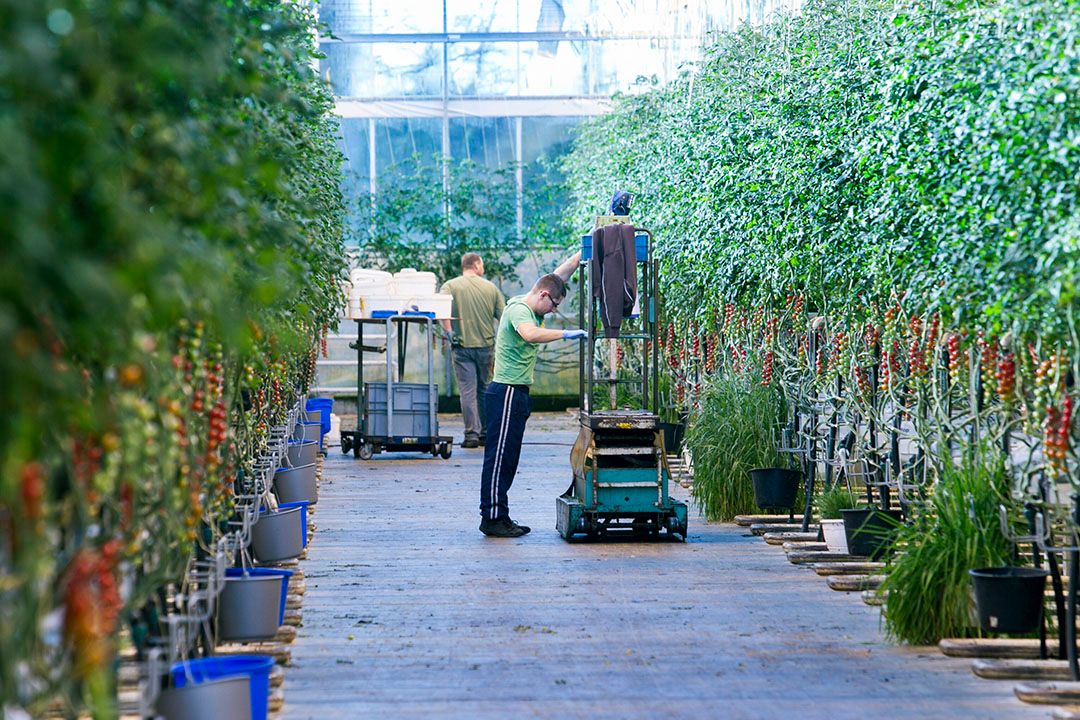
<point x="346" y="444"/>
<point x="365" y="451"/>
<point x="446" y="450"/>
<point x="434" y="450"/>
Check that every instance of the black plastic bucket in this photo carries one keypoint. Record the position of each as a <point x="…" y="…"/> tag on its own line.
<point x="1009" y="599"/>
<point x="870" y="531"/>
<point x="775" y="487"/>
<point x="673" y="436"/>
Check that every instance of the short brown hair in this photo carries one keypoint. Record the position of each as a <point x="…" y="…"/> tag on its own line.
<point x="552" y="284"/>
<point x="469" y="260"/>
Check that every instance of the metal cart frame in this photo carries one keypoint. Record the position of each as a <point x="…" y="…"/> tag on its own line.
<point x="621" y="475"/>
<point x="366" y="446"/>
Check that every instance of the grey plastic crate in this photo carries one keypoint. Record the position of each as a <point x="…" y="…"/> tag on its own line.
<point x="412" y="406"/>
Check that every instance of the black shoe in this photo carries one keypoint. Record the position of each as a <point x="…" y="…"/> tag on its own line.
<point x="470" y="441"/>
<point x="503" y="528"/>
<point x="513" y="522"/>
<point x="482" y="440"/>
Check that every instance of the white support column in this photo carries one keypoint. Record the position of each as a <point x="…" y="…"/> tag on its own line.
<point x="519" y="178"/>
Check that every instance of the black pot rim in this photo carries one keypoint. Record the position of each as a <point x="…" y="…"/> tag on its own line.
<point x="1010" y="572"/>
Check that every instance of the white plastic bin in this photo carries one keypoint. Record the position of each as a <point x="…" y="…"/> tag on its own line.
<point x="410" y="283"/>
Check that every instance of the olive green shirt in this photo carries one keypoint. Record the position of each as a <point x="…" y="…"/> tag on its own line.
<point x="515" y="359"/>
<point x="477" y="304"/>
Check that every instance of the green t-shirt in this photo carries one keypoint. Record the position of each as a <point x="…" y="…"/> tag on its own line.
<point x="515" y="359"/>
<point x="477" y="304"/>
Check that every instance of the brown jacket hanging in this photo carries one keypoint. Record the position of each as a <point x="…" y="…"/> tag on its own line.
<point x="614" y="273"/>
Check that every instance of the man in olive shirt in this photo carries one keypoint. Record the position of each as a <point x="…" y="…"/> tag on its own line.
<point x="477" y="305"/>
<point x="520" y="333"/>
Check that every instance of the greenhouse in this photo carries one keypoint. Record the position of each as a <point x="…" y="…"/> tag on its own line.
<point x="543" y="358"/>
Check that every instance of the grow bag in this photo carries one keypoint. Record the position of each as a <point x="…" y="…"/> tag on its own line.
<point x="775" y="487"/>
<point x="225" y="699"/>
<point x="298" y="483"/>
<point x="302" y="452"/>
<point x="870" y="531"/>
<point x="1009" y="599"/>
<point x="284" y="575"/>
<point x="278" y="535"/>
<point x="254" y="668"/>
<point x="249" y="607"/>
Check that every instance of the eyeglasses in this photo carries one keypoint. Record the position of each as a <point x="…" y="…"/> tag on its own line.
<point x="553" y="301"/>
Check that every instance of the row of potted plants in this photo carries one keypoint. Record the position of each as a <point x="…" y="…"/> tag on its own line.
<point x="173" y="242"/>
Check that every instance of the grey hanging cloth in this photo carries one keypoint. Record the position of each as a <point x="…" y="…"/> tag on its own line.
<point x="551" y="20"/>
<point x="614" y="273"/>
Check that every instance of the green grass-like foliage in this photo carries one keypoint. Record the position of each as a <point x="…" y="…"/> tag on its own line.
<point x="832" y="501"/>
<point x="730" y="434"/>
<point x="929" y="590"/>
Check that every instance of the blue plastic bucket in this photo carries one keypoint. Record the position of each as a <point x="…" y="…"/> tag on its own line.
<point x="325" y="406"/>
<point x="302" y="504"/>
<point x="284" y="574"/>
<point x="255" y="667"/>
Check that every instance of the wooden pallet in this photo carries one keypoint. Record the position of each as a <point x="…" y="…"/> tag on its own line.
<point x="748" y="520"/>
<point x="782" y="538"/>
<point x="281" y="652"/>
<point x="1049" y="693"/>
<point x="1071" y="712"/>
<point x="873" y="598"/>
<point x="790" y="547"/>
<point x="763" y="528"/>
<point x="854" y="583"/>
<point x="997" y="669"/>
<point x="805" y="557"/>
<point x="1015" y="648"/>
<point x="848" y="568"/>
<point x="294" y="616"/>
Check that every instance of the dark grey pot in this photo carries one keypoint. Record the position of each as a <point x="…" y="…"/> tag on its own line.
<point x="303" y="453"/>
<point x="297" y="484"/>
<point x="224" y="699"/>
<point x="278" y="536"/>
<point x="249" y="608"/>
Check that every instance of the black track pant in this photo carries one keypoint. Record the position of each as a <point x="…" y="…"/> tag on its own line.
<point x="507" y="408"/>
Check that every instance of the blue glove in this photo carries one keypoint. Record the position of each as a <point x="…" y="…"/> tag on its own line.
<point x="574" y="334"/>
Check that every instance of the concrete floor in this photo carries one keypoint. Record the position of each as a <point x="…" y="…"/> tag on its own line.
<point x="411" y="613"/>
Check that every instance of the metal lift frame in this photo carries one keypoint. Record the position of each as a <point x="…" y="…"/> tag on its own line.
<point x="620" y="433"/>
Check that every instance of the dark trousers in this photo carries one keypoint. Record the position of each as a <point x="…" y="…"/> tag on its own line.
<point x="508" y="408"/>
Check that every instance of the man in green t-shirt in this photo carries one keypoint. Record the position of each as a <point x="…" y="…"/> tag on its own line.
<point x="520" y="333"/>
<point x="477" y="305"/>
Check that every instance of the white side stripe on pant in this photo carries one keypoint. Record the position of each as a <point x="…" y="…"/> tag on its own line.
<point x="499" y="444"/>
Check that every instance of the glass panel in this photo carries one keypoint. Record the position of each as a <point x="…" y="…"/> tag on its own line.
<point x="482" y="15"/>
<point x="544" y="141"/>
<point x="383" y="69"/>
<point x="487" y="141"/>
<point x="620" y="65"/>
<point x="554" y="68"/>
<point x="482" y="69"/>
<point x="381" y="16"/>
<point x="399" y="141"/>
<point x="356" y="147"/>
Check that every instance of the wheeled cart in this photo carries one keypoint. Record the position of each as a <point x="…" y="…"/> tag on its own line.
<point x="394" y="416"/>
<point x="619" y="464"/>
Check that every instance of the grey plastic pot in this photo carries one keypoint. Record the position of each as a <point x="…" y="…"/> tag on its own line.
<point x="296" y="484"/>
<point x="249" y="608"/>
<point x="224" y="699"/>
<point x="307" y="431"/>
<point x="278" y="536"/>
<point x="313" y="415"/>
<point x="303" y="453"/>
